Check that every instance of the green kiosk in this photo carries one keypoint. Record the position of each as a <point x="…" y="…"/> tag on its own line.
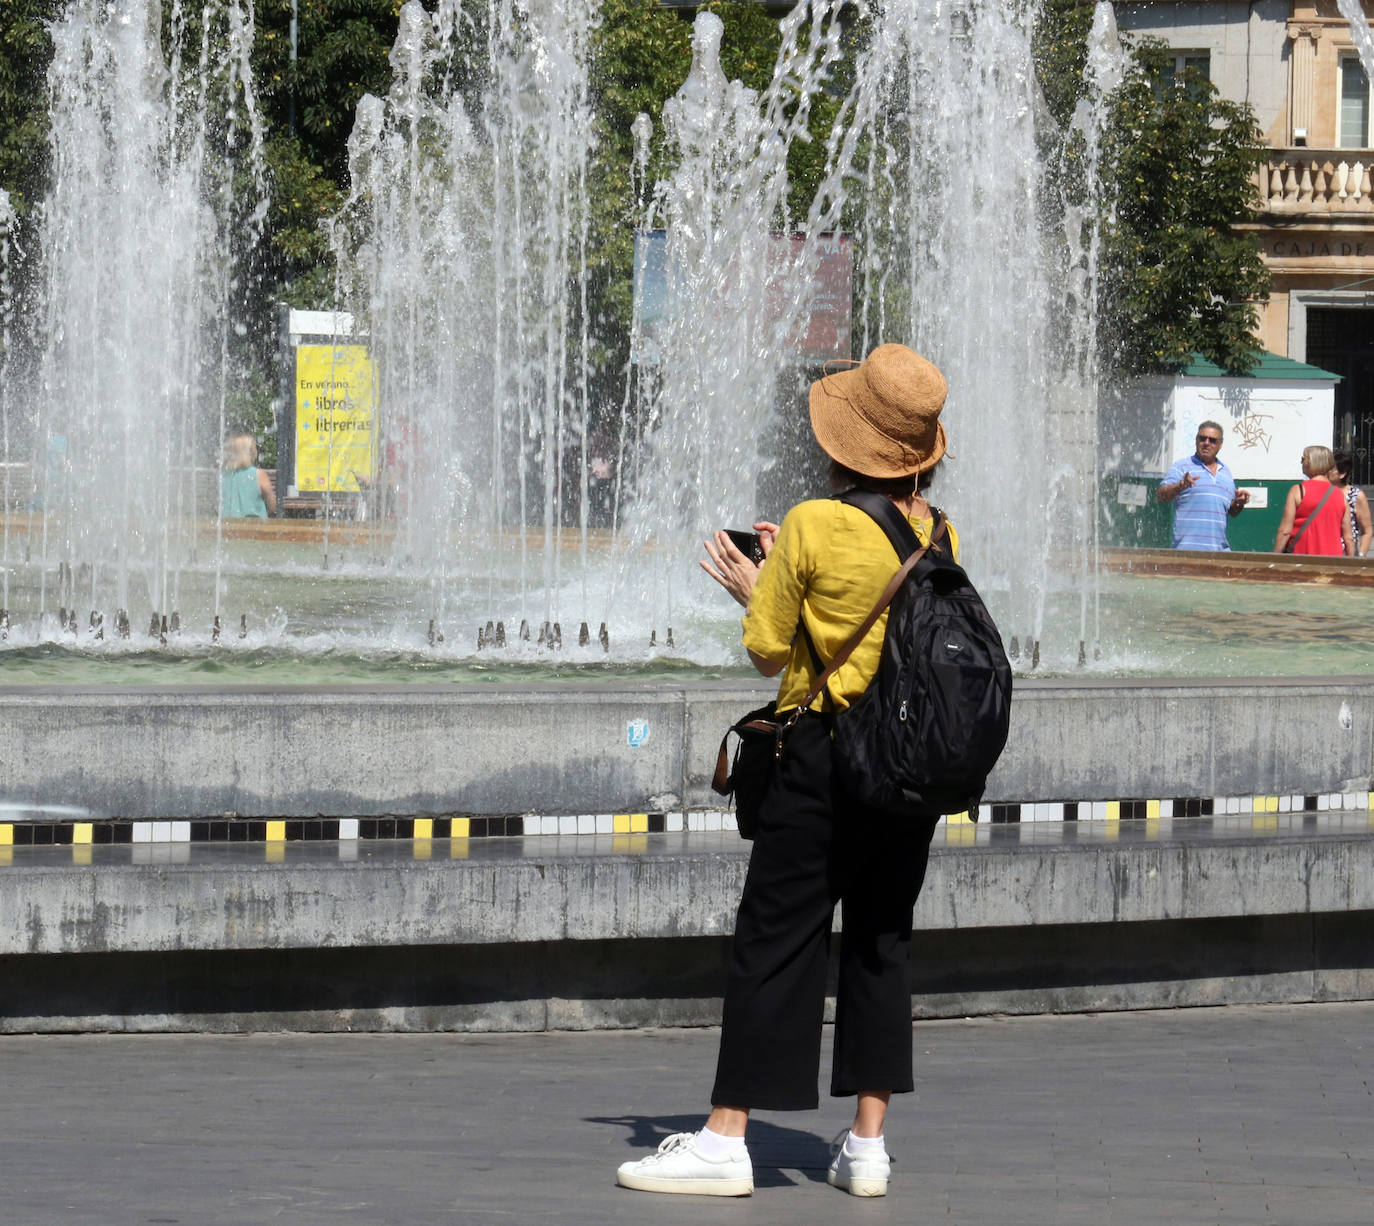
<point x="1268" y="416"/>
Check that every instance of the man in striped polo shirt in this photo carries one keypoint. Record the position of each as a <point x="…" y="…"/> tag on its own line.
<point x="1203" y="492"/>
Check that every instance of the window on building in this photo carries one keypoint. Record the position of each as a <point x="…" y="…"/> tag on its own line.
<point x="1354" y="104"/>
<point x="1179" y="62"/>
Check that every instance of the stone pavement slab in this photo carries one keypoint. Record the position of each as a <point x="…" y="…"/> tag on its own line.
<point x="1246" y="1114"/>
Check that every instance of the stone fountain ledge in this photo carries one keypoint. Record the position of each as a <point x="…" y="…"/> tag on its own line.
<point x="343" y="752"/>
<point x="572" y="933"/>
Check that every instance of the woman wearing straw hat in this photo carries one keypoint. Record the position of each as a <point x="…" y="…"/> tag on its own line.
<point x="824" y="570"/>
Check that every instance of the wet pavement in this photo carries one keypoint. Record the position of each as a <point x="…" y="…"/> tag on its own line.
<point x="1247" y="1114"/>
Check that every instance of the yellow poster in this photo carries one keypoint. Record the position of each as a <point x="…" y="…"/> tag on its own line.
<point x="336" y="427"/>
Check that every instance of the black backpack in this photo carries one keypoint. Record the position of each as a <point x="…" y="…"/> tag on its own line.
<point x="922" y="739"/>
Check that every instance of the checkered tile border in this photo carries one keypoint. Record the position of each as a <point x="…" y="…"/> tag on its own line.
<point x="254" y="830"/>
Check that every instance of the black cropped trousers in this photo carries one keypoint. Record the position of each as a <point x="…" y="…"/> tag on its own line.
<point x="814" y="848"/>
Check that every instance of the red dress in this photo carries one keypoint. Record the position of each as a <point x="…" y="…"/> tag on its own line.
<point x="1324" y="534"/>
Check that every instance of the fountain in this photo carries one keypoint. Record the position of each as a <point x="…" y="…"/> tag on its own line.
<point x="542" y="480"/>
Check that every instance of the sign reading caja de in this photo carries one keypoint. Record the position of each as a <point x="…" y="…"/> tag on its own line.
<point x="336" y="425"/>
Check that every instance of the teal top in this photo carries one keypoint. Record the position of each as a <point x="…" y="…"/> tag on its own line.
<point x="239" y="496"/>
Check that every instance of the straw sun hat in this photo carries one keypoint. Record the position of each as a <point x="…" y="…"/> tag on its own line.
<point x="881" y="417"/>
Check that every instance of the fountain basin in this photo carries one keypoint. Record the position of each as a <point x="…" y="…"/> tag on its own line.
<point x="293" y="751"/>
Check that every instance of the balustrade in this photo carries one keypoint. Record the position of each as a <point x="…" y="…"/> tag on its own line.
<point x="1317" y="181"/>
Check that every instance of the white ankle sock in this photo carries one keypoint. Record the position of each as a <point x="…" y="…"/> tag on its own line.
<point x="713" y="1146"/>
<point x="856" y="1145"/>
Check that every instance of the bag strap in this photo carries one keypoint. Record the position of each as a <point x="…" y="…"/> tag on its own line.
<point x="910" y="550"/>
<point x="1306" y="523"/>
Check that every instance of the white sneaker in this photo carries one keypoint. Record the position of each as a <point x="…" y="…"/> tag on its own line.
<point x="864" y="1174"/>
<point x="680" y="1167"/>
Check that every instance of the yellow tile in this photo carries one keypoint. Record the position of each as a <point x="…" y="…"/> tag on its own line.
<point x="629" y="843"/>
<point x="275" y="852"/>
<point x="6" y="835"/>
<point x="83" y="832"/>
<point x="952" y="819"/>
<point x="276" y="832"/>
<point x="1152" y="810"/>
<point x="460" y="827"/>
<point x="1369" y="800"/>
<point x="1113" y="810"/>
<point x="961" y="834"/>
<point x="639" y="823"/>
<point x="620" y="823"/>
<point x="81" y="853"/>
<point x="424" y="848"/>
<point x="424" y="828"/>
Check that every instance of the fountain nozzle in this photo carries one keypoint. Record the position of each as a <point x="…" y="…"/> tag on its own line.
<point x="500" y="634"/>
<point x="605" y="638"/>
<point x="584" y="636"/>
<point x="243" y="625"/>
<point x="214" y="634"/>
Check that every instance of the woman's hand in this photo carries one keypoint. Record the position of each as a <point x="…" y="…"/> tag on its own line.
<point x="730" y="568"/>
<point x="768" y="535"/>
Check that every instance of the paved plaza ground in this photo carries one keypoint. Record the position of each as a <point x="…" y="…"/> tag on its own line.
<point x="1254" y="1115"/>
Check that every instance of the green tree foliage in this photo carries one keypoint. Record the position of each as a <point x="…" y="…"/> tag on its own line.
<point x="1180" y="277"/>
<point x="25" y="51"/>
<point x="1178" y="165"/>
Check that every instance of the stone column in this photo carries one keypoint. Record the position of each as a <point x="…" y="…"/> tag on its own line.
<point x="1302" y="70"/>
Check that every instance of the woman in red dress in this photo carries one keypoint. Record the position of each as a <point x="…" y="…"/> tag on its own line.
<point x="1316" y="518"/>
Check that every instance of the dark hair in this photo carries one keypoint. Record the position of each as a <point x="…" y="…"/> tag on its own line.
<point x="1343" y="462"/>
<point x="842" y="478"/>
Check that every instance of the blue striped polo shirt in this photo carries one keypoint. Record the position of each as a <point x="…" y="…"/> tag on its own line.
<point x="1200" y="512"/>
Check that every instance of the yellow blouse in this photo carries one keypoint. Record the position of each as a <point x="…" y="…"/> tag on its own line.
<point x="828" y="567"/>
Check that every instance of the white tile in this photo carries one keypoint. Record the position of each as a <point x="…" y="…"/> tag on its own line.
<point x="567" y="824"/>
<point x="1286" y="804"/>
<point x="348" y="828"/>
<point x="712" y="817"/>
<point x="181" y="832"/>
<point x="727" y="822"/>
<point x="1166" y="808"/>
<point x="142" y="832"/>
<point x="695" y="821"/>
<point x="985" y="813"/>
<point x="605" y="823"/>
<point x="674" y="822"/>
<point x="1323" y="802"/>
<point x="586" y="823"/>
<point x="162" y="832"/>
<point x="1098" y="809"/>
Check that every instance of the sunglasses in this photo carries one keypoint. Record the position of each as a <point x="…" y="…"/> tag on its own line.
<point x="1207" y="438"/>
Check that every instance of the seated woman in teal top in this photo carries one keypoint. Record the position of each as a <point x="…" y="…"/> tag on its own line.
<point x="245" y="490"/>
